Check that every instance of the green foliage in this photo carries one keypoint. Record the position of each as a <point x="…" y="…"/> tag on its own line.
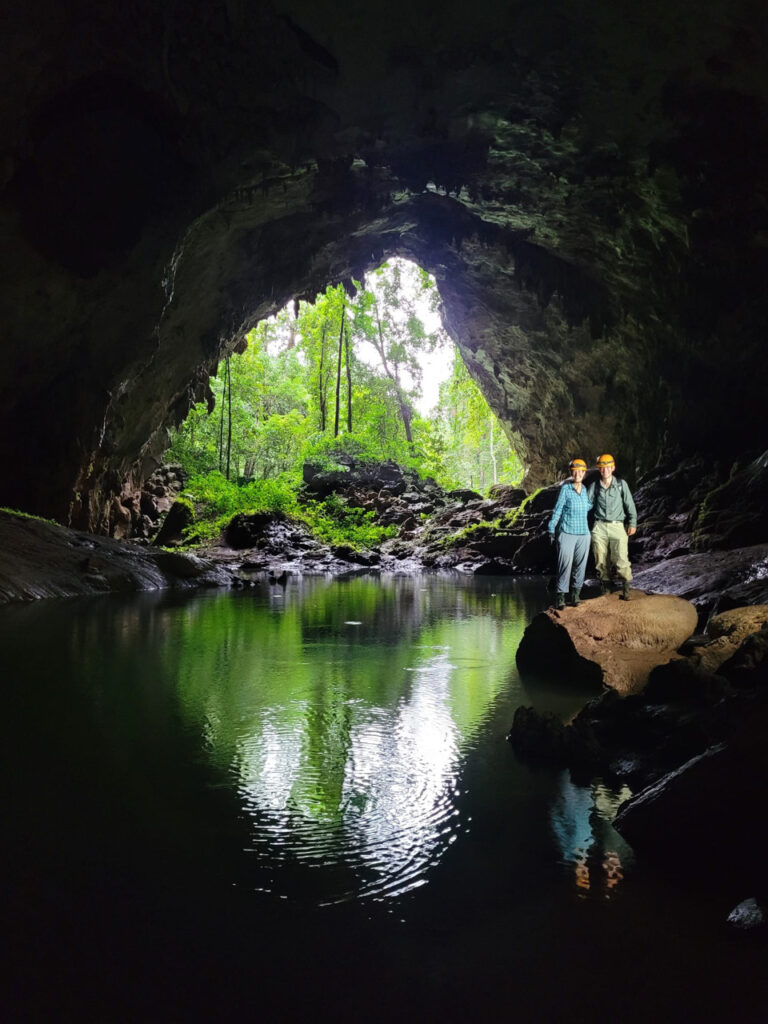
<point x="329" y="452"/>
<point x="302" y="380"/>
<point x="335" y="522"/>
<point x="27" y="515"/>
<point x="511" y="517"/>
<point x="475" y="451"/>
<point x="219" y="499"/>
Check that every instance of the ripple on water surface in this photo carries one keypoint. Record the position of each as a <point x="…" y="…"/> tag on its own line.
<point x="361" y="795"/>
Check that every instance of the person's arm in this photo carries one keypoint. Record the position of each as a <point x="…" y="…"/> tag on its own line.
<point x="557" y="512"/>
<point x="629" y="508"/>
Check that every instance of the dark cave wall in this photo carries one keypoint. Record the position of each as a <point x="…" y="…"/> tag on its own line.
<point x="588" y="189"/>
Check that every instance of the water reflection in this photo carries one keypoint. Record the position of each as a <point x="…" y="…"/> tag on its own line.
<point x="343" y="720"/>
<point x="581" y="819"/>
<point x="308" y="741"/>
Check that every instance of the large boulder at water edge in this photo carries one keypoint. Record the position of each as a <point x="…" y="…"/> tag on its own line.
<point x="607" y="640"/>
<point x="706" y="819"/>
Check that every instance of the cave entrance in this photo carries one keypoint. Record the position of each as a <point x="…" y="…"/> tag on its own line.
<point x="364" y="373"/>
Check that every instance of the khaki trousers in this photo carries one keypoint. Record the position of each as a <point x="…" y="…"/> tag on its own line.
<point x="609" y="546"/>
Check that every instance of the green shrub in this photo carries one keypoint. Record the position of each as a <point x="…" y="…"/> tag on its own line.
<point x="217" y="500"/>
<point x="333" y="521"/>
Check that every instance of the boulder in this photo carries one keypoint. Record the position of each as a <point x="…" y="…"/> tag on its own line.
<point x="245" y="531"/>
<point x="607" y="640"/>
<point x="728" y="630"/>
<point x="180" y="515"/>
<point x="464" y="495"/>
<point x="715" y="581"/>
<point x="748" y="666"/>
<point x="535" y="555"/>
<point x="507" y="495"/>
<point x="705" y="818"/>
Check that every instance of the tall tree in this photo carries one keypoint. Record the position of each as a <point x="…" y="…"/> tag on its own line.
<point x="338" y="372"/>
<point x="229" y="404"/>
<point x="349" y="381"/>
<point x="221" y="421"/>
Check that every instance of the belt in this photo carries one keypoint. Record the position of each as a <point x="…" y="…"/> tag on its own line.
<point x="610" y="522"/>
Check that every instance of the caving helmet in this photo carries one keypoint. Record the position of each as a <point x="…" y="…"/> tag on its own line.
<point x="606" y="460"/>
<point x="577" y="464"/>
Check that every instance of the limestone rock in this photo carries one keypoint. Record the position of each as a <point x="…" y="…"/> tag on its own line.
<point x="748" y="916"/>
<point x="43" y="559"/>
<point x="705" y="818"/>
<point x="728" y="630"/>
<point x="718" y="580"/>
<point x="180" y="515"/>
<point x="607" y="640"/>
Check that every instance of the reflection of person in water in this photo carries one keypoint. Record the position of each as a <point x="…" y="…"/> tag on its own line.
<point x="580" y="818"/>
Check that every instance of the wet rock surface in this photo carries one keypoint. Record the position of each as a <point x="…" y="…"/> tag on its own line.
<point x="708" y="812"/>
<point x="681" y="712"/>
<point x="749" y="916"/>
<point x="703" y="532"/>
<point x="691" y="746"/>
<point x="606" y="640"/>
<point x="44" y="559"/>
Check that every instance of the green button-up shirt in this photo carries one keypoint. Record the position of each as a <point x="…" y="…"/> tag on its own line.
<point x="612" y="504"/>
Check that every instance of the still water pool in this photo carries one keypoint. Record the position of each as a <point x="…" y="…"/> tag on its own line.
<point x="298" y="801"/>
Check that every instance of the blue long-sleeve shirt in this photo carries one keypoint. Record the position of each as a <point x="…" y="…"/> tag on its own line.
<point x="572" y="508"/>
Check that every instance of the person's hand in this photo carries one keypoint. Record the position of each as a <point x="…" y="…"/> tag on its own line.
<point x="631" y="530"/>
<point x="551" y="538"/>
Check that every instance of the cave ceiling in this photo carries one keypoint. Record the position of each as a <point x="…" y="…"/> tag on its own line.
<point x="587" y="183"/>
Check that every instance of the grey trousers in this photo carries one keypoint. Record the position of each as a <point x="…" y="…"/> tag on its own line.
<point x="572" y="554"/>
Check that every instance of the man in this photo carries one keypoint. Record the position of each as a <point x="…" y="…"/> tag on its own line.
<point x="615" y="522"/>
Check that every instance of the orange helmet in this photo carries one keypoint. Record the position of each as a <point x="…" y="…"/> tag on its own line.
<point x="606" y="460"/>
<point x="577" y="464"/>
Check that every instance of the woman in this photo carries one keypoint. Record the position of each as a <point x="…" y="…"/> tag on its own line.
<point x="570" y="513"/>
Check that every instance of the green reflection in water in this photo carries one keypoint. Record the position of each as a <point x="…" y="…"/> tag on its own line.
<point x="341" y="712"/>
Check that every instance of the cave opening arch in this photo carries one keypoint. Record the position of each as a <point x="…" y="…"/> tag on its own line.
<point x="366" y="370"/>
<point x="520" y="318"/>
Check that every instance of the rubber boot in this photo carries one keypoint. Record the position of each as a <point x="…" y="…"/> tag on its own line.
<point x="605" y="587"/>
<point x="624" y="596"/>
<point x="575" y="597"/>
<point x="560" y="602"/>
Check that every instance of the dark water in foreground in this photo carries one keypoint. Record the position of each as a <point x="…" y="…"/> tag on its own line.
<point x="298" y="802"/>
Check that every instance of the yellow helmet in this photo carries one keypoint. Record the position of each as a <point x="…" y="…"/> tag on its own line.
<point x="606" y="460"/>
<point x="577" y="464"/>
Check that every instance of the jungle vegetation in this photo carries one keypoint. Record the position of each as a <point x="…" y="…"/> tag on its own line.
<point x="340" y="377"/>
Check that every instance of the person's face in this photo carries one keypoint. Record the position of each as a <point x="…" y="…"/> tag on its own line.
<point x="606" y="472"/>
<point x="578" y="475"/>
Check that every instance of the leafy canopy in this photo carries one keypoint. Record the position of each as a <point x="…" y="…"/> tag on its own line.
<point x="344" y="377"/>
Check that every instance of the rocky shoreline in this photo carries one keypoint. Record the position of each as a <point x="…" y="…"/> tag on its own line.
<point x="703" y="536"/>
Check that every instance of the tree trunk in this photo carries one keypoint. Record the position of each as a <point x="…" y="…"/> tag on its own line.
<point x="229" y="404"/>
<point x="338" y="373"/>
<point x="221" y="420"/>
<point x="402" y="401"/>
<point x="349" y="383"/>
<point x="321" y="381"/>
<point x="493" y="453"/>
